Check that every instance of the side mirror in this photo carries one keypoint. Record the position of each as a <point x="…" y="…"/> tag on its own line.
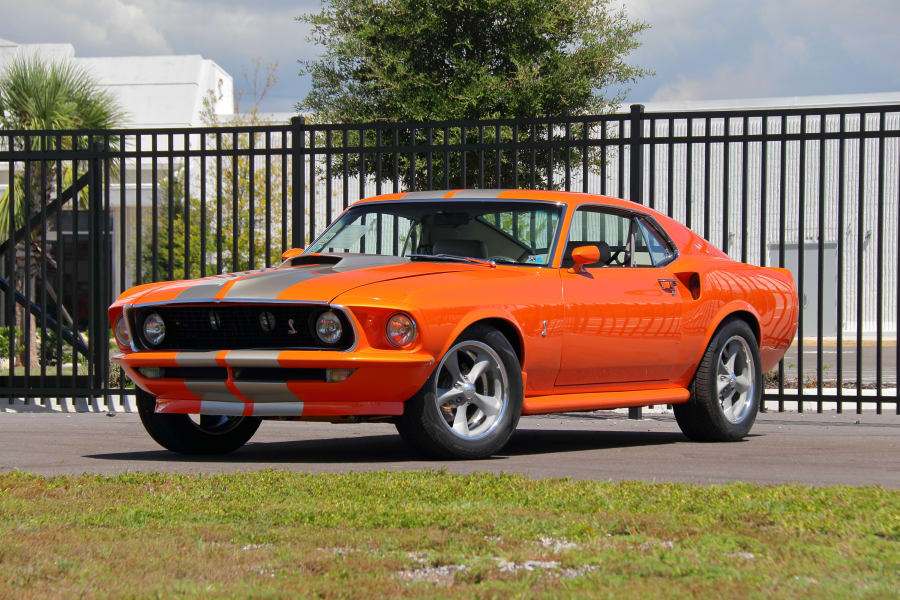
<point x="584" y="255"/>
<point x="291" y="253"/>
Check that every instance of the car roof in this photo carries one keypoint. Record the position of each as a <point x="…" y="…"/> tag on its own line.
<point x="568" y="198"/>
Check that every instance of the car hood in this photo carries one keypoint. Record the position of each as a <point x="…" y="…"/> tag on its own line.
<point x="319" y="279"/>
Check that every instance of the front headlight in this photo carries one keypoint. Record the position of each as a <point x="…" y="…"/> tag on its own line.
<point x="400" y="330"/>
<point x="154" y="329"/>
<point x="329" y="328"/>
<point x="122" y="334"/>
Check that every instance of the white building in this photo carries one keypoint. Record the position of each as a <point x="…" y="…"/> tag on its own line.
<point x="154" y="91"/>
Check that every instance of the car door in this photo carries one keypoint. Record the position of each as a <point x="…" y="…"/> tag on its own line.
<point x="622" y="318"/>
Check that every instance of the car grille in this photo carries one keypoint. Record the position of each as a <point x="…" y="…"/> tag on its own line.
<point x="239" y="327"/>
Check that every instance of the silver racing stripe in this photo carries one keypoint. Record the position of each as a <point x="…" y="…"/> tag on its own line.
<point x="277" y="409"/>
<point x="197" y="359"/>
<point x="478" y="194"/>
<point x="208" y="288"/>
<point x="271" y="283"/>
<point x="202" y="291"/>
<point x="213" y="391"/>
<point x="427" y="195"/>
<point x="442" y="194"/>
<point x="268" y="284"/>
<point x="260" y="391"/>
<point x="252" y="358"/>
<point x="217" y="407"/>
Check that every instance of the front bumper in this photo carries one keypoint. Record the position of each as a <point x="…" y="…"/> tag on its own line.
<point x="381" y="382"/>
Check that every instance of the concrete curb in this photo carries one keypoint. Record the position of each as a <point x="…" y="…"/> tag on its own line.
<point x="127" y="404"/>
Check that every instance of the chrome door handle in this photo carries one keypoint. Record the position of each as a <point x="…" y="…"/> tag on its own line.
<point x="668" y="285"/>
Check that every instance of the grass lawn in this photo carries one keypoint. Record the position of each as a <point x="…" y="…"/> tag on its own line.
<point x="369" y="535"/>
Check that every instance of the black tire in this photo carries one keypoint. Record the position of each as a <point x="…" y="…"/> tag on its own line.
<point x="179" y="433"/>
<point x="424" y="425"/>
<point x="703" y="418"/>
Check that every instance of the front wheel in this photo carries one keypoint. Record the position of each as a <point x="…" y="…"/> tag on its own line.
<point x="727" y="388"/>
<point x="194" y="434"/>
<point x="470" y="405"/>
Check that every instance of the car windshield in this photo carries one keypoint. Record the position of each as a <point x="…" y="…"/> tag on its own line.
<point x="514" y="232"/>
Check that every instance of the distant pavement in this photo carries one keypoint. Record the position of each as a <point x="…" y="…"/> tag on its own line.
<point x="848" y="362"/>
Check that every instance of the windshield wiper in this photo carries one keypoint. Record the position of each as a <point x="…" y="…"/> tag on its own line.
<point x="454" y="257"/>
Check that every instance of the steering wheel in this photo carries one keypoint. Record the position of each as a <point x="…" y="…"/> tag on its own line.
<point x="504" y="259"/>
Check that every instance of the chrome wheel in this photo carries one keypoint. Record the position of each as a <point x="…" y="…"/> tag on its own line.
<point x="735" y="379"/>
<point x="471" y="389"/>
<point x="216" y="424"/>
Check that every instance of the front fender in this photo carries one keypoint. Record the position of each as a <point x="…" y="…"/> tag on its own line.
<point x="482" y="314"/>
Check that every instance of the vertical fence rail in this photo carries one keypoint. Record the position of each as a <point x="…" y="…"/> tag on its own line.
<point x="92" y="213"/>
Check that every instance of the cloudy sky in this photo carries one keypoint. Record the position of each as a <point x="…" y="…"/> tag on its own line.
<point x="698" y="49"/>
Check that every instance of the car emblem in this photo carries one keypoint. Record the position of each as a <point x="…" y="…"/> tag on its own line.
<point x="267" y="321"/>
<point x="215" y="320"/>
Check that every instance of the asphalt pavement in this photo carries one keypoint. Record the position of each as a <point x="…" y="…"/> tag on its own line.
<point x="815" y="449"/>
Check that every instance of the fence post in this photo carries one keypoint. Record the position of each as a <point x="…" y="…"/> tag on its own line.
<point x="97" y="318"/>
<point x="636" y="155"/>
<point x="636" y="182"/>
<point x="298" y="181"/>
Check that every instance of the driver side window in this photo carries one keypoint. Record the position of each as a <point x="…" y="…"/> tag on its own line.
<point x="592" y="226"/>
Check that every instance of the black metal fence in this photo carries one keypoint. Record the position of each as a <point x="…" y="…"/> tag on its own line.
<point x="88" y="214"/>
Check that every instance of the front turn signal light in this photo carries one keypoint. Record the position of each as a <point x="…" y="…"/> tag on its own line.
<point x="400" y="330"/>
<point x="337" y="375"/>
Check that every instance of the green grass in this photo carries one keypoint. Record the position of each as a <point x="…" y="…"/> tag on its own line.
<point x="370" y="535"/>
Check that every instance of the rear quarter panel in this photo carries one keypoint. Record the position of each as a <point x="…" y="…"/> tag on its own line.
<point x="728" y="287"/>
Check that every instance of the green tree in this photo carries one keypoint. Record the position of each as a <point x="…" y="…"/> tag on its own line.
<point x="402" y="60"/>
<point x="37" y="94"/>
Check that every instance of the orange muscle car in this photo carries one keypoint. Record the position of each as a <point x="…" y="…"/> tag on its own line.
<point x="452" y="313"/>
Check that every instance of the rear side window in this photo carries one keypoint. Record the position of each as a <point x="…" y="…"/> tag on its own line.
<point x="649" y="249"/>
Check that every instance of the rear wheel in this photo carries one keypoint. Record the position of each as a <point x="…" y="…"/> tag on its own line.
<point x="727" y="388"/>
<point x="470" y="405"/>
<point x="194" y="434"/>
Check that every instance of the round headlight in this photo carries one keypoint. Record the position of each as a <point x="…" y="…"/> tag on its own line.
<point x="122" y="335"/>
<point x="401" y="330"/>
<point x="329" y="328"/>
<point x="154" y="329"/>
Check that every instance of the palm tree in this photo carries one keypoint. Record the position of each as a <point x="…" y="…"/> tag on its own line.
<point x="41" y="95"/>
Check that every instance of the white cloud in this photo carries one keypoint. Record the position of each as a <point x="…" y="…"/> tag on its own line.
<point x="699" y="49"/>
<point x="94" y="27"/>
<point x="230" y="32"/>
<point x="705" y="49"/>
<point x="767" y="70"/>
<point x="679" y="21"/>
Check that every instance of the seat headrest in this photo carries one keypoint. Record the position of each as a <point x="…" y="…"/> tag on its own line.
<point x="470" y="248"/>
<point x="603" y="247"/>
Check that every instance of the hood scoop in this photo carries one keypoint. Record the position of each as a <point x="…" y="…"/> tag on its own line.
<point x="315" y="259"/>
<point x="345" y="262"/>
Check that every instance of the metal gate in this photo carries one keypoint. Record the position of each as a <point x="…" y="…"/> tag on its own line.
<point x="91" y="213"/>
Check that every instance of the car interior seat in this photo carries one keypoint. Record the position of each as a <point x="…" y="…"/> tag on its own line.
<point x="605" y="253"/>
<point x="470" y="248"/>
